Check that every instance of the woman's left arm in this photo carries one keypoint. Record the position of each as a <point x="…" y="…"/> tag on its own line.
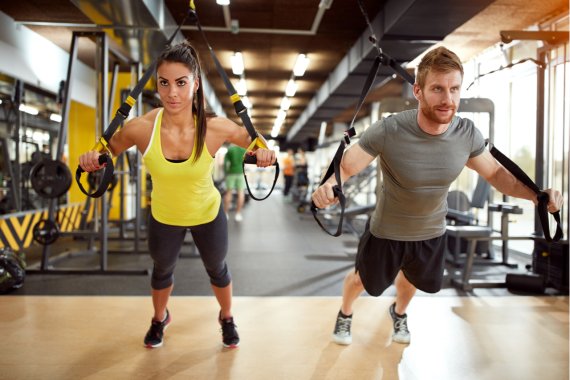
<point x="233" y="133"/>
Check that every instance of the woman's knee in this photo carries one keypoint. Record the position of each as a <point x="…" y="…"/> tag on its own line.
<point x="161" y="281"/>
<point x="220" y="276"/>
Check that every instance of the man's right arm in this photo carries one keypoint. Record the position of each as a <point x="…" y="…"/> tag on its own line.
<point x="354" y="160"/>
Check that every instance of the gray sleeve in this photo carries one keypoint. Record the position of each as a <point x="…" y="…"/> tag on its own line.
<point x="372" y="140"/>
<point x="478" y="143"/>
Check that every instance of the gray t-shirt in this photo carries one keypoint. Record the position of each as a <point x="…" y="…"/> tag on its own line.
<point x="417" y="169"/>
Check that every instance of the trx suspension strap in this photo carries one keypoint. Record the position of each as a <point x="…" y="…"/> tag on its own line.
<point x="241" y="111"/>
<point x="334" y="167"/>
<point x="541" y="196"/>
<point x="122" y="113"/>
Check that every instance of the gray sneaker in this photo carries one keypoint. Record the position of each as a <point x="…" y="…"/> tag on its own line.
<point x="401" y="333"/>
<point x="341" y="334"/>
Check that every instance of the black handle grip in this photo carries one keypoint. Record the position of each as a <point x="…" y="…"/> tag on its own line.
<point x="247" y="159"/>
<point x="342" y="202"/>
<point x="108" y="172"/>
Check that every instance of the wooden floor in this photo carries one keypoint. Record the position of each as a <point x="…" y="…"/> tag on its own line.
<point x="456" y="338"/>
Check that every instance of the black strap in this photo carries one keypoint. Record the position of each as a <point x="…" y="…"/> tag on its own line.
<point x="120" y="116"/>
<point x="334" y="167"/>
<point x="241" y="111"/>
<point x="541" y="196"/>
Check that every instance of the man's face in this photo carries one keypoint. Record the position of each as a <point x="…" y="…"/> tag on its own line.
<point x="439" y="98"/>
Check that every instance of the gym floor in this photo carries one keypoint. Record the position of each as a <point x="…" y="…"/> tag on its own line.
<point x="287" y="277"/>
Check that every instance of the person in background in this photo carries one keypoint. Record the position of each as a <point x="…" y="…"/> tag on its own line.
<point x="302" y="169"/>
<point x="233" y="166"/>
<point x="422" y="152"/>
<point x="179" y="155"/>
<point x="288" y="171"/>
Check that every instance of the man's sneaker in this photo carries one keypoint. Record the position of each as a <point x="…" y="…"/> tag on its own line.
<point x="341" y="334"/>
<point x="401" y="333"/>
<point x="230" y="336"/>
<point x="238" y="217"/>
<point x="155" y="334"/>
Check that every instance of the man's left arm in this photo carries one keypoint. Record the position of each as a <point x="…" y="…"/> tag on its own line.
<point x="504" y="181"/>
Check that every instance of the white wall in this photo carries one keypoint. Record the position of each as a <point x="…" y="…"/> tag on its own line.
<point x="27" y="56"/>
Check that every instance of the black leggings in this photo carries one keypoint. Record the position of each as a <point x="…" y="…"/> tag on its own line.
<point x="211" y="239"/>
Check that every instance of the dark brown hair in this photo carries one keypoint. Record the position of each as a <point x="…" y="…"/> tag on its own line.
<point x="441" y="60"/>
<point x="184" y="53"/>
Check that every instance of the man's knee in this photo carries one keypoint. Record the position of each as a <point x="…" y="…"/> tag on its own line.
<point x="354" y="279"/>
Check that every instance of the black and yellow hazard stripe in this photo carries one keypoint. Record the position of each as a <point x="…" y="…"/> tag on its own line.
<point x="16" y="230"/>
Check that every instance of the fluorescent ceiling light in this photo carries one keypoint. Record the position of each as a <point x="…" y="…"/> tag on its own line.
<point x="276" y="128"/>
<point x="28" y="109"/>
<point x="237" y="63"/>
<point x="223" y="2"/>
<point x="241" y="87"/>
<point x="285" y="103"/>
<point x="281" y="115"/>
<point x="301" y="65"/>
<point x="274" y="132"/>
<point x="291" y="88"/>
<point x="55" y="117"/>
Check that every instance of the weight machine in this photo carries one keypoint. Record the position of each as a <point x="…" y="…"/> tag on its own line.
<point x="101" y="207"/>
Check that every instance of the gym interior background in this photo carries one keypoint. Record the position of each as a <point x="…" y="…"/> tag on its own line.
<point x="299" y="66"/>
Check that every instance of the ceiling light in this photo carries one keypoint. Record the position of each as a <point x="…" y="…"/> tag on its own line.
<point x="274" y="132"/>
<point x="223" y="2"/>
<point x="291" y="88"/>
<point x="241" y="87"/>
<point x="301" y="65"/>
<point x="281" y="115"/>
<point x="237" y="63"/>
<point x="55" y="117"/>
<point x="285" y="103"/>
<point x="28" y="109"/>
<point x="276" y="128"/>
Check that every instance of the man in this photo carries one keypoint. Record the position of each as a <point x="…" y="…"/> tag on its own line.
<point x="234" y="179"/>
<point x="422" y="152"/>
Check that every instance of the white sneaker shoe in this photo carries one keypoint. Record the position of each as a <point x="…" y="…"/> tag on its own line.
<point x="401" y="333"/>
<point x="341" y="334"/>
<point x="238" y="217"/>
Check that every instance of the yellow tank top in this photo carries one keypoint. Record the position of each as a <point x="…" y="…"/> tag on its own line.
<point x="183" y="193"/>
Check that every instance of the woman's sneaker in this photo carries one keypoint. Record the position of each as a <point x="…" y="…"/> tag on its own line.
<point x="401" y="333"/>
<point x="230" y="336"/>
<point x="155" y="334"/>
<point x="341" y="334"/>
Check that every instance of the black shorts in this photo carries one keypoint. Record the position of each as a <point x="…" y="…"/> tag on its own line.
<point x="379" y="260"/>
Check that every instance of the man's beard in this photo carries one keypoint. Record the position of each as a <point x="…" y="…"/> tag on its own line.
<point x="431" y="114"/>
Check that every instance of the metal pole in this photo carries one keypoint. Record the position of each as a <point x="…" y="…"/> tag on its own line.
<point x="17" y="179"/>
<point x="137" y="164"/>
<point x="103" y="108"/>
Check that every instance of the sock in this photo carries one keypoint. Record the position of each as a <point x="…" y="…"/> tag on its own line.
<point x="343" y="315"/>
<point x="398" y="315"/>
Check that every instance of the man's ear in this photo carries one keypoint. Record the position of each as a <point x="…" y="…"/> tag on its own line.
<point x="417" y="91"/>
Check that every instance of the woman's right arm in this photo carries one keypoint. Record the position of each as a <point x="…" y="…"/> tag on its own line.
<point x="122" y="140"/>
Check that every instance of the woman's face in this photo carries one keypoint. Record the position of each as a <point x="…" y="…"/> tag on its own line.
<point x="176" y="86"/>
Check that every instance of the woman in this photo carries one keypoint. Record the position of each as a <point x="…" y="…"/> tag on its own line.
<point x="178" y="143"/>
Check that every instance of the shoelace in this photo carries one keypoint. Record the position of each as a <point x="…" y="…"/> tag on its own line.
<point x="401" y="324"/>
<point x="156" y="329"/>
<point x="228" y="328"/>
<point x="343" y="325"/>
